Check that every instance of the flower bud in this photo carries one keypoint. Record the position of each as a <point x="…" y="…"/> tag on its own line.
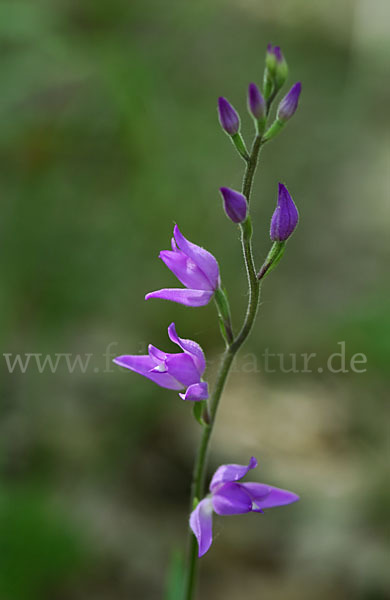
<point x="228" y="117"/>
<point x="276" y="71"/>
<point x="270" y="58"/>
<point x="281" y="68"/>
<point x="288" y="105"/>
<point x="285" y="218"/>
<point x="235" y="204"/>
<point x="256" y="102"/>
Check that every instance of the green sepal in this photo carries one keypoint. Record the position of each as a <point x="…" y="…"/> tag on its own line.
<point x="273" y="258"/>
<point x="273" y="131"/>
<point x="199" y="410"/>
<point x="239" y="144"/>
<point x="277" y="257"/>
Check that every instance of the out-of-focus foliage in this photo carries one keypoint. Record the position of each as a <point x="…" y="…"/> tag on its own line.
<point x="108" y="136"/>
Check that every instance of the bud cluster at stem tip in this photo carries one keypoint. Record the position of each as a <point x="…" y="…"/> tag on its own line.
<point x="276" y="71"/>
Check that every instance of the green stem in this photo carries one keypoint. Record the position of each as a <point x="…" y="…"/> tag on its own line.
<point x="199" y="472"/>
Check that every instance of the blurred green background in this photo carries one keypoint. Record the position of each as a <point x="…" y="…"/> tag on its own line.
<point x="108" y="136"/>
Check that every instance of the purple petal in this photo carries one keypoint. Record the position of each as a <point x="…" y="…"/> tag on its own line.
<point x="188" y="346"/>
<point x="156" y="355"/>
<point x="143" y="365"/>
<point x="201" y="525"/>
<point x="182" y="368"/>
<point x="201" y="257"/>
<point x="182" y="296"/>
<point x="285" y="218"/>
<point x="231" y="499"/>
<point x="230" y="473"/>
<point x="266" y="496"/>
<point x="185" y="269"/>
<point x="196" y="392"/>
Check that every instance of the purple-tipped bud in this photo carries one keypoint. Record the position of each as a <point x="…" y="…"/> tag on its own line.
<point x="270" y="58"/>
<point x="285" y="218"/>
<point x="228" y="117"/>
<point x="256" y="102"/>
<point x="235" y="204"/>
<point x="288" y="105"/>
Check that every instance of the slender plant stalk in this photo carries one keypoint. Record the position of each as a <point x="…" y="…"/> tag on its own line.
<point x="199" y="472"/>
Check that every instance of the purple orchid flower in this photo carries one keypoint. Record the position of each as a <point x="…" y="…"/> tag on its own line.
<point x="172" y="371"/>
<point x="228" y="497"/>
<point x="194" y="267"/>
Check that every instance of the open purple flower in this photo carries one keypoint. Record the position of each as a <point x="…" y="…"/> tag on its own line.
<point x="194" y="267"/>
<point x="172" y="371"/>
<point x="228" y="497"/>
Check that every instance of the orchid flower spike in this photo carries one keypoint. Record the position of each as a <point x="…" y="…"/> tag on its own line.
<point x="172" y="371"/>
<point x="194" y="267"/>
<point x="228" y="497"/>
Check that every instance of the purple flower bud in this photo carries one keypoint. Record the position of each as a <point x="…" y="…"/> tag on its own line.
<point x="289" y="103"/>
<point x="236" y="206"/>
<point x="285" y="218"/>
<point x="278" y="54"/>
<point x="228" y="117"/>
<point x="256" y="102"/>
<point x="270" y="58"/>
